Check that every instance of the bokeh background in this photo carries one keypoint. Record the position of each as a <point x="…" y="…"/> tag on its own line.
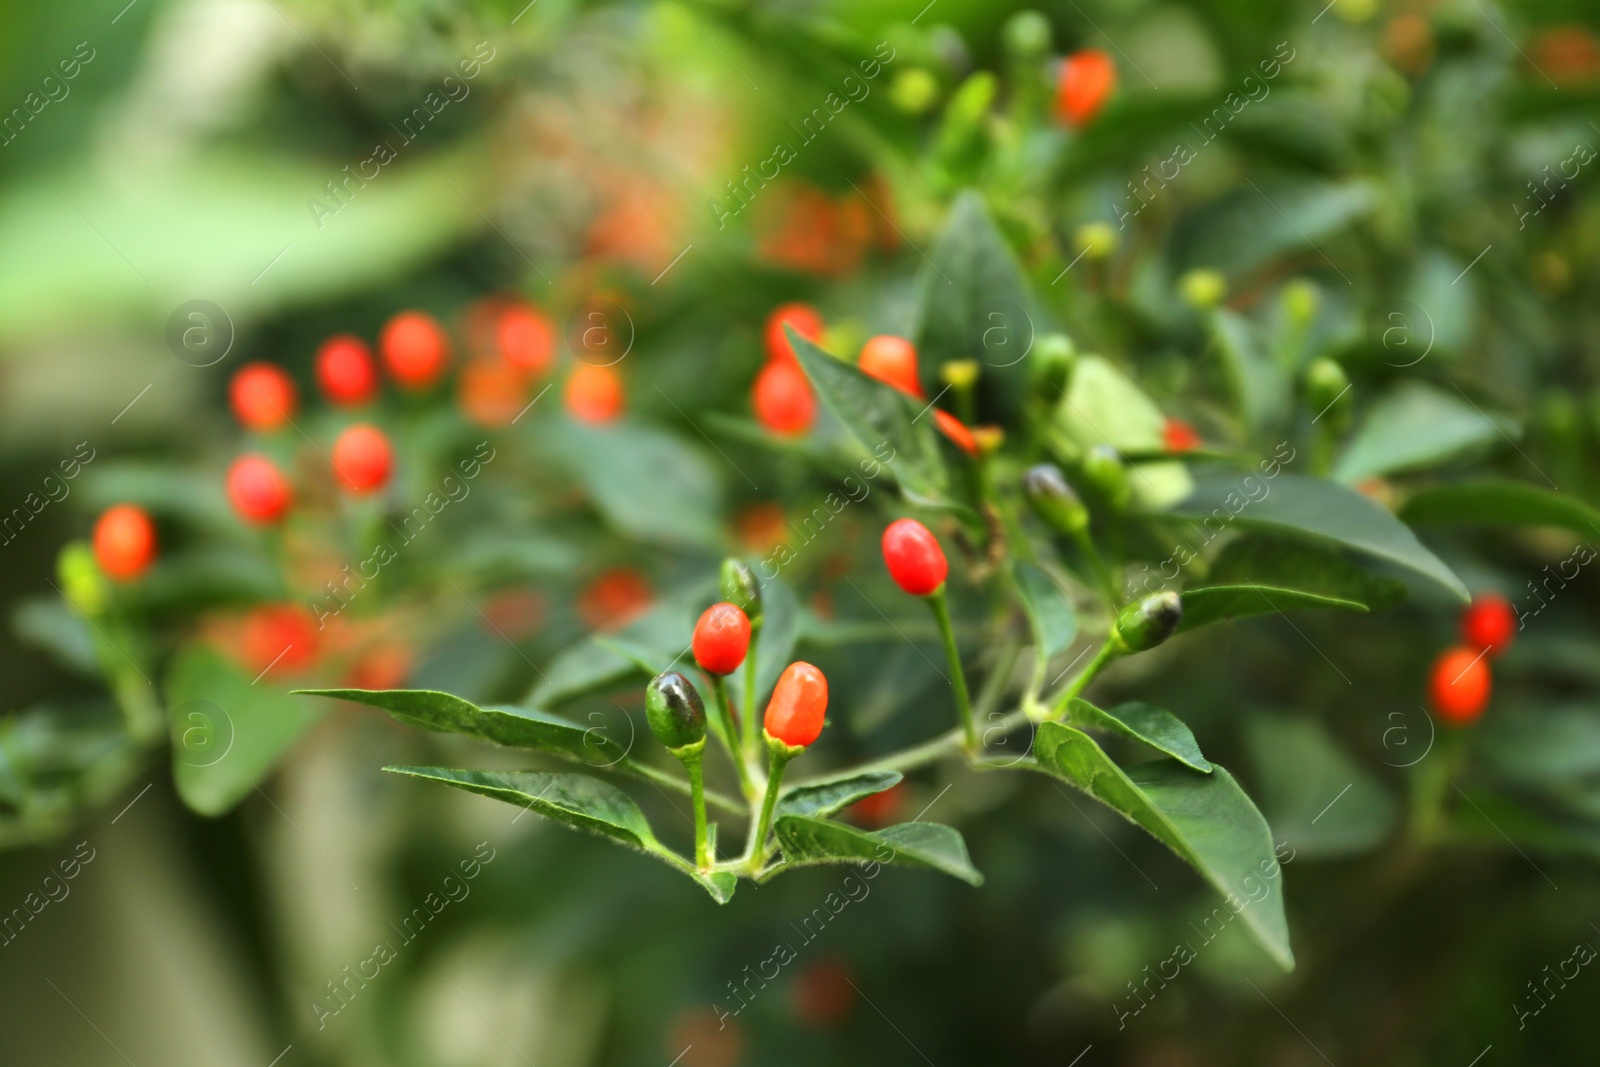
<point x="188" y="158"/>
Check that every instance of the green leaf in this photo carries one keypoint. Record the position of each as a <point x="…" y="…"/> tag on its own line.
<point x="1315" y="508"/>
<point x="1263" y="559"/>
<point x="973" y="301"/>
<point x="808" y="841"/>
<point x="1245" y="228"/>
<point x="595" y="664"/>
<point x="1321" y="801"/>
<point x="512" y="727"/>
<point x="1156" y="727"/>
<point x="576" y="801"/>
<point x="647" y="482"/>
<point x="1049" y="612"/>
<point x="1259" y="382"/>
<point x="882" y="420"/>
<point x="823" y="798"/>
<point x="1497" y="502"/>
<point x="1544" y="747"/>
<point x="1213" y="603"/>
<point x="1205" y="818"/>
<point x="227" y="733"/>
<point x="1104" y="406"/>
<point x="1415" y="425"/>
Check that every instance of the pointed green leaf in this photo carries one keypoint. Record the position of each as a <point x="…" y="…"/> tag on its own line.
<point x="1050" y="615"/>
<point x="1103" y="406"/>
<point x="973" y="301"/>
<point x="1415" y="425"/>
<point x="808" y="841"/>
<point x="506" y="725"/>
<point x="823" y="798"/>
<point x="1496" y="502"/>
<point x="1322" y="801"/>
<point x="590" y="666"/>
<point x="227" y="733"/>
<point x="883" y="420"/>
<point x="1205" y="818"/>
<point x="648" y="482"/>
<point x="1258" y="381"/>
<point x="1156" y="727"/>
<point x="1314" y="508"/>
<point x="1213" y="603"/>
<point x="576" y="801"/>
<point x="1264" y="559"/>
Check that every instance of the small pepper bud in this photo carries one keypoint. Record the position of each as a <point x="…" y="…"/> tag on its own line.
<point x="1103" y="469"/>
<point x="1328" y="393"/>
<point x="676" y="714"/>
<point x="1096" y="240"/>
<point x="1202" y="289"/>
<point x="1301" y="299"/>
<point x="914" y="90"/>
<point x="1148" y="622"/>
<point x="1054" y="356"/>
<point x="960" y="373"/>
<point x="739" y="587"/>
<point x="1027" y="36"/>
<point x="1054" y="501"/>
<point x="82" y="582"/>
<point x="989" y="439"/>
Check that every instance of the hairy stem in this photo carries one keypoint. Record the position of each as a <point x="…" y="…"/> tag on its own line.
<point x="726" y="727"/>
<point x="692" y="762"/>
<point x="1107" y="653"/>
<point x="751" y="741"/>
<point x="756" y="850"/>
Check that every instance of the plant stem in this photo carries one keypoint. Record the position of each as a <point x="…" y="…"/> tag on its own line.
<point x="727" y="731"/>
<point x="672" y="781"/>
<point x="952" y="655"/>
<point x="692" y="762"/>
<point x="756" y="852"/>
<point x="751" y="751"/>
<point x="1107" y="653"/>
<point x="1097" y="565"/>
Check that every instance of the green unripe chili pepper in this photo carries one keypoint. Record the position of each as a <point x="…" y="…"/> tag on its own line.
<point x="1328" y="394"/>
<point x="1027" y="36"/>
<point x="675" y="711"/>
<point x="677" y="717"/>
<point x="1054" y="501"/>
<point x="1146" y="623"/>
<point x="739" y="587"/>
<point x="1203" y="289"/>
<point x="1103" y="469"/>
<point x="82" y="581"/>
<point x="1053" y="358"/>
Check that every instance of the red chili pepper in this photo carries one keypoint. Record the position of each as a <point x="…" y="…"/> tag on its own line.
<point x="798" y="705"/>
<point x="915" y="560"/>
<point x="594" y="393"/>
<point x="281" y="638"/>
<point x="415" y="349"/>
<point x="782" y="399"/>
<point x="262" y="396"/>
<point x="124" y="541"/>
<point x="258" y="490"/>
<point x="614" y="598"/>
<point x="806" y="322"/>
<point x="1179" y="436"/>
<point x="893" y="361"/>
<point x="1459" y="685"/>
<point x="956" y="430"/>
<point x="721" y="638"/>
<point x="346" y="372"/>
<point x="363" y="458"/>
<point x="1087" y="80"/>
<point x="527" y="339"/>
<point x="1489" y="623"/>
